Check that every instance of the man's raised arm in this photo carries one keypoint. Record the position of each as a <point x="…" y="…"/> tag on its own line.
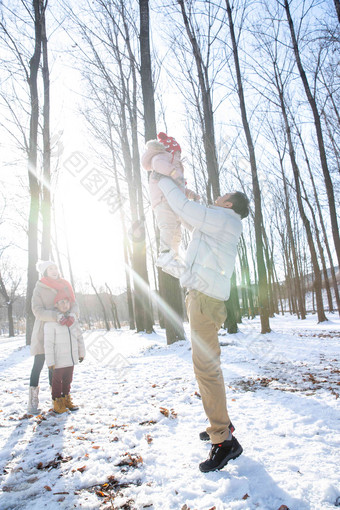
<point x="197" y="215"/>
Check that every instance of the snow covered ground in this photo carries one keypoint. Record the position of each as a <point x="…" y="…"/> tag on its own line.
<point x="134" y="442"/>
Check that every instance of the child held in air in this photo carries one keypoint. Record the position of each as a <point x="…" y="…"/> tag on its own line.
<point x="163" y="156"/>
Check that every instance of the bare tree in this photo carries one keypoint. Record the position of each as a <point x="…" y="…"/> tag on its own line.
<point x="258" y="224"/>
<point x="9" y="283"/>
<point x="337" y="8"/>
<point x="169" y="286"/>
<point x="319" y="133"/>
<point x="114" y="91"/>
<point x="107" y="324"/>
<point x="213" y="188"/>
<point x="46" y="180"/>
<point x="317" y="274"/>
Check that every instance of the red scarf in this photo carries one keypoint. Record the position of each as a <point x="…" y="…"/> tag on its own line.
<point x="59" y="285"/>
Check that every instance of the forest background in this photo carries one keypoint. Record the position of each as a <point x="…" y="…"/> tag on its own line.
<point x="251" y="92"/>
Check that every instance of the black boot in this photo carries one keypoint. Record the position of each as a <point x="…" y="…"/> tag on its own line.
<point x="221" y="454"/>
<point x="204" y="436"/>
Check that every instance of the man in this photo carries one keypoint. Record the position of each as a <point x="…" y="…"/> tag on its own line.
<point x="209" y="264"/>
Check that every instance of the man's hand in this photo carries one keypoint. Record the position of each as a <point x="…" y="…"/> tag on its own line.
<point x="52" y="367"/>
<point x="191" y="195"/>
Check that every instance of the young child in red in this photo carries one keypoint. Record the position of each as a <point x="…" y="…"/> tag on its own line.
<point x="64" y="346"/>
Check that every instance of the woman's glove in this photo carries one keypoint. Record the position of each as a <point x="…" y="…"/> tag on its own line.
<point x="61" y="319"/>
<point x="69" y="321"/>
<point x="81" y="360"/>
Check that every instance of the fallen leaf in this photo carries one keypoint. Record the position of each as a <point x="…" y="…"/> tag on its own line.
<point x="149" y="438"/>
<point x="81" y="469"/>
<point x="131" y="460"/>
<point x="167" y="413"/>
<point x="32" y="480"/>
<point x="47" y="488"/>
<point x="96" y="447"/>
<point x="283" y="507"/>
<point x="246" y="496"/>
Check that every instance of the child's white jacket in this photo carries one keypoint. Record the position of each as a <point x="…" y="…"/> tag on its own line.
<point x="63" y="345"/>
<point x="211" y="254"/>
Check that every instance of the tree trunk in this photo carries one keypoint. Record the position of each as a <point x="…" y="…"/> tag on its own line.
<point x="46" y="181"/>
<point x="69" y="262"/>
<point x="114" y="309"/>
<point x="56" y="245"/>
<point x="208" y="114"/>
<point x="32" y="275"/>
<point x="132" y="324"/>
<point x="337" y="8"/>
<point x="318" y="128"/>
<point x="232" y="306"/>
<point x="9" y="304"/>
<point x="320" y="248"/>
<point x="169" y="285"/>
<point x="107" y="325"/>
<point x="317" y="284"/>
<point x="146" y="72"/>
<point x="271" y="304"/>
<point x="297" y="283"/>
<point x="262" y="275"/>
<point x="247" y="276"/>
<point x="10" y="319"/>
<point x="322" y="223"/>
<point x="143" y="271"/>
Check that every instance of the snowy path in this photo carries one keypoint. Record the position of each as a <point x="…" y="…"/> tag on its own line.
<point x="283" y="399"/>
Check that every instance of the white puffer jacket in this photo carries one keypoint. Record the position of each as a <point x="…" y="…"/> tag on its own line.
<point x="63" y="345"/>
<point x="211" y="254"/>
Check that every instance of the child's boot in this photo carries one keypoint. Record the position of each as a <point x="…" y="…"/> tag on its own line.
<point x="69" y="404"/>
<point x="59" y="405"/>
<point x="33" y="400"/>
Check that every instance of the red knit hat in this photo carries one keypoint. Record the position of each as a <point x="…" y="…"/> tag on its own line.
<point x="169" y="143"/>
<point x="61" y="294"/>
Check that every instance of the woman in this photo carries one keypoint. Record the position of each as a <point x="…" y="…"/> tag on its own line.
<point x="43" y="308"/>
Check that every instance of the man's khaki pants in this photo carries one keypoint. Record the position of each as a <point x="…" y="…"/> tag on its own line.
<point x="206" y="315"/>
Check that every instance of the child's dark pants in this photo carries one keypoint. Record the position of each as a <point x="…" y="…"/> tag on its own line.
<point x="61" y="381"/>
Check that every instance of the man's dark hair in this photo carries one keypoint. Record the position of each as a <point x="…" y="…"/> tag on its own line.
<point x="240" y="203"/>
